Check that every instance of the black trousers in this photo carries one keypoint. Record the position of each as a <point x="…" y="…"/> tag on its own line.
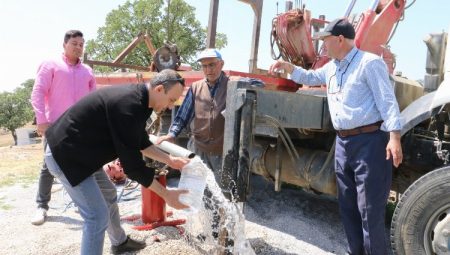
<point x="364" y="179"/>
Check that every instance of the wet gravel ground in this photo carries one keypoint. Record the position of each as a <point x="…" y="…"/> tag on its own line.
<point x="293" y="221"/>
<point x="287" y="222"/>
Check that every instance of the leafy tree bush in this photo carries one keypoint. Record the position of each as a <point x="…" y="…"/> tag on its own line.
<point x="15" y="108"/>
<point x="174" y="23"/>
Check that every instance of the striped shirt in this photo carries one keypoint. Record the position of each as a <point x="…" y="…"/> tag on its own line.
<point x="358" y="90"/>
<point x="186" y="112"/>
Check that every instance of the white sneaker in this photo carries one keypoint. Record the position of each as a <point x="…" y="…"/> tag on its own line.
<point x="39" y="217"/>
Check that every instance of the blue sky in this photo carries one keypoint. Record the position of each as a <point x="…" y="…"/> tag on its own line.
<point x="32" y="31"/>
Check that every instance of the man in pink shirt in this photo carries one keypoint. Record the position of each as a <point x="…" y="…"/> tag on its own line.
<point x="59" y="84"/>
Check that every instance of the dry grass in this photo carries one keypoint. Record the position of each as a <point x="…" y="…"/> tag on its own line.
<point x="6" y="138"/>
<point x="20" y="164"/>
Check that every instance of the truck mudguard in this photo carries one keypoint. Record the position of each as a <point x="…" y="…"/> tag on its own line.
<point x="426" y="106"/>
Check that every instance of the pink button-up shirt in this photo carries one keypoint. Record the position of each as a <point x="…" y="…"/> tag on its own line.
<point x="58" y="86"/>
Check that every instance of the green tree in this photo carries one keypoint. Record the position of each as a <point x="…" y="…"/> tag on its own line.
<point x="174" y="23"/>
<point x="15" y="108"/>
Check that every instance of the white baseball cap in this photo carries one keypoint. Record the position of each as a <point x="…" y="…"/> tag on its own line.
<point x="209" y="53"/>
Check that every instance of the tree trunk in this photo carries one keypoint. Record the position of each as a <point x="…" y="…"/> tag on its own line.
<point x="14" y="135"/>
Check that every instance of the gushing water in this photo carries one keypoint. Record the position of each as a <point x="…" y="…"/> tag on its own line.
<point x="218" y="227"/>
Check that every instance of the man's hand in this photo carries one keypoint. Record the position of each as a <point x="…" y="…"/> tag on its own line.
<point x="167" y="138"/>
<point x="281" y="65"/>
<point x="41" y="128"/>
<point x="173" y="198"/>
<point x="177" y="162"/>
<point x="394" y="148"/>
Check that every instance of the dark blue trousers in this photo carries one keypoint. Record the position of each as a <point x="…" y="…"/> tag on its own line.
<point x="363" y="178"/>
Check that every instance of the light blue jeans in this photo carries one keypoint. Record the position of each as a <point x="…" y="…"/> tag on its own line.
<point x="96" y="198"/>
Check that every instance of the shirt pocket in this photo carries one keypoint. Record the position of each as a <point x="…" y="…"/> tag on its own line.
<point x="354" y="90"/>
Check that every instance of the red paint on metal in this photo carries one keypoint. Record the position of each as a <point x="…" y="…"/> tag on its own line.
<point x="271" y="82"/>
<point x="134" y="217"/>
<point x="153" y="206"/>
<point x="154" y="213"/>
<point x="151" y="226"/>
<point x="374" y="30"/>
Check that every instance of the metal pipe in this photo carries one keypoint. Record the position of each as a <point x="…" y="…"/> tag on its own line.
<point x="288" y="6"/>
<point x="172" y="148"/>
<point x="349" y="8"/>
<point x="212" y="24"/>
<point x="257" y="6"/>
<point x="278" y="166"/>
<point x="374" y="5"/>
<point x="316" y="28"/>
<point x="311" y="171"/>
<point x="446" y="68"/>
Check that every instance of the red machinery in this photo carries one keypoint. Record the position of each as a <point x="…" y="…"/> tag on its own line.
<point x="154" y="213"/>
<point x="292" y="32"/>
<point x="288" y="137"/>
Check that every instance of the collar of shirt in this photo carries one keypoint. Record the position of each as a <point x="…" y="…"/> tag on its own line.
<point x="66" y="60"/>
<point x="345" y="62"/>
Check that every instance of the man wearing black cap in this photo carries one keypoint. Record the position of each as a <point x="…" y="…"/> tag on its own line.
<point x="366" y="117"/>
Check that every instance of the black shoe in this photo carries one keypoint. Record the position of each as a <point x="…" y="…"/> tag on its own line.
<point x="128" y="246"/>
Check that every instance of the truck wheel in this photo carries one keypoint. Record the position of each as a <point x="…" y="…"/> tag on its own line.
<point x="421" y="221"/>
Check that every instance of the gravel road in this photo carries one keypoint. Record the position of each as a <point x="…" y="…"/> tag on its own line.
<point x="287" y="222"/>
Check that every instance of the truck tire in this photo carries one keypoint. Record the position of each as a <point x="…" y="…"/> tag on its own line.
<point x="421" y="221"/>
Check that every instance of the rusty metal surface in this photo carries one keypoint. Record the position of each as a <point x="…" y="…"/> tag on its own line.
<point x="406" y="91"/>
<point x="166" y="57"/>
<point x="116" y="62"/>
<point x="289" y="109"/>
<point x="278" y="110"/>
<point x="117" y="65"/>
<point x="373" y="33"/>
<point x="257" y="6"/>
<point x="311" y="171"/>
<point x="128" y="49"/>
<point x="212" y="24"/>
<point x="292" y="34"/>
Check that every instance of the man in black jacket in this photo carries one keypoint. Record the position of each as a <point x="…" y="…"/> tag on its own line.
<point x="107" y="124"/>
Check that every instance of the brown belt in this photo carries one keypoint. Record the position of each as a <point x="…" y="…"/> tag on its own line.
<point x="359" y="130"/>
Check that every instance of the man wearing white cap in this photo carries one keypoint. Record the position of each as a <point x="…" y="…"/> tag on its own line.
<point x="202" y="107"/>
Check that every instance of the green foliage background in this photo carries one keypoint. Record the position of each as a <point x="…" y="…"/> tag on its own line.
<point x="163" y="22"/>
<point x="174" y="23"/>
<point x="15" y="107"/>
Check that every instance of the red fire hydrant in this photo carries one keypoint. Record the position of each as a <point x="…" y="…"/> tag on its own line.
<point x="154" y="207"/>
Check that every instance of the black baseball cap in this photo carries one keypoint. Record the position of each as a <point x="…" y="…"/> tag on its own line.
<point x="337" y="27"/>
